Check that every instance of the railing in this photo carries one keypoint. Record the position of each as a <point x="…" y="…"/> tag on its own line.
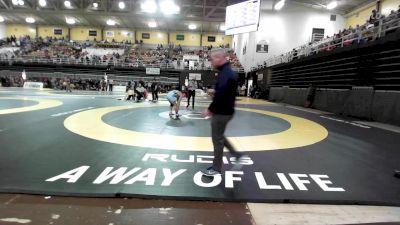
<point x="41" y="76"/>
<point x="371" y="33"/>
<point x="115" y="62"/>
<point x="317" y="37"/>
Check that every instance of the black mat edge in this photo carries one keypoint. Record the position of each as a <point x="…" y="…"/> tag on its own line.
<point x="194" y="198"/>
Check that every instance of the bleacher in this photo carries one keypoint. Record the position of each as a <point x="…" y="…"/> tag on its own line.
<point x="53" y="51"/>
<point x="362" y="34"/>
<point x="375" y="63"/>
<point x="353" y="73"/>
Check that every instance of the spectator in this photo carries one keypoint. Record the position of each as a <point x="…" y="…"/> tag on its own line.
<point x="374" y="18"/>
<point x="110" y="85"/>
<point x="310" y="96"/>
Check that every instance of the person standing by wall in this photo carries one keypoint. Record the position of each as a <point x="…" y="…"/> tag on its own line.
<point x="103" y="86"/>
<point x="310" y="96"/>
<point x="154" y="91"/>
<point x="158" y="89"/>
<point x="110" y="85"/>
<point x="68" y="85"/>
<point x="221" y="110"/>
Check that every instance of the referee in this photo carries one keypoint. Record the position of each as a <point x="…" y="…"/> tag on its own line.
<point x="191" y="93"/>
<point x="221" y="109"/>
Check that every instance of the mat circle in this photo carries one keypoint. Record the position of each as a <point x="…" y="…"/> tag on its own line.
<point x="302" y="132"/>
<point x="41" y="104"/>
<point x="156" y="120"/>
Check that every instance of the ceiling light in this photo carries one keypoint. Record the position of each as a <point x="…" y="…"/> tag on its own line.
<point x="279" y="5"/>
<point x="42" y="3"/>
<point x="159" y="35"/>
<point x="21" y="2"/>
<point x="1" y="19"/>
<point x="95" y="5"/>
<point x="222" y="27"/>
<point x="70" y="20"/>
<point x="152" y="24"/>
<point x="169" y="7"/>
<point x="30" y="20"/>
<point x="332" y="5"/>
<point x="192" y="27"/>
<point x="121" y="5"/>
<point x="111" y="22"/>
<point x="149" y="6"/>
<point x="14" y="2"/>
<point x="67" y="4"/>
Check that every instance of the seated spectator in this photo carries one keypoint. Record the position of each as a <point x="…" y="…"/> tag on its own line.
<point x="374" y="18"/>
<point x="392" y="14"/>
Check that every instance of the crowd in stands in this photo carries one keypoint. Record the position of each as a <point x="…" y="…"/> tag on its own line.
<point x="11" y="81"/>
<point x="53" y="50"/>
<point x="360" y="34"/>
<point x="70" y="84"/>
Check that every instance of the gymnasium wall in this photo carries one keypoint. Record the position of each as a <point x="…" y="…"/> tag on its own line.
<point x="284" y="30"/>
<point x="360" y="16"/>
<point x="21" y="30"/>
<point x="156" y="37"/>
<point x="388" y="5"/>
<point x="220" y="39"/>
<point x="3" y="31"/>
<point x="48" y="31"/>
<point x="190" y="39"/>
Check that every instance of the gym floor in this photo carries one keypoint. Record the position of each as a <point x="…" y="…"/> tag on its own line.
<point x="65" y="147"/>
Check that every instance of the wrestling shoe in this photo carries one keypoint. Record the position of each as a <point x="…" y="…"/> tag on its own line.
<point x="239" y="162"/>
<point x="210" y="172"/>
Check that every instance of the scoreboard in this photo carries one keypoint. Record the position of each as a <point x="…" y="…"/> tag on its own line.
<point x="242" y="17"/>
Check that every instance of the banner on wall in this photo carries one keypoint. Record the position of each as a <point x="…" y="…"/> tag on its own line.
<point x="127" y="33"/>
<point x="153" y="71"/>
<point x="180" y="37"/>
<point x="33" y="85"/>
<point x="145" y="35"/>
<point x="211" y="38"/>
<point x="191" y="58"/>
<point x="93" y="33"/>
<point x="196" y="76"/>
<point x="110" y="34"/>
<point x="58" y="31"/>
<point x="119" y="89"/>
<point x="262" y="47"/>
